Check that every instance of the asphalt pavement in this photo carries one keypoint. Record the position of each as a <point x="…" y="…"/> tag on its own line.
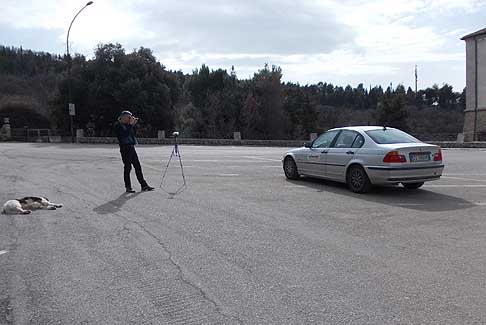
<point x="240" y="245"/>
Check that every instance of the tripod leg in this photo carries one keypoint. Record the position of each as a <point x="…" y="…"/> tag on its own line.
<point x="167" y="167"/>
<point x="182" y="170"/>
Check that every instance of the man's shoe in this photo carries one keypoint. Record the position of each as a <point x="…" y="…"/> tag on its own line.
<point x="130" y="190"/>
<point x="147" y="188"/>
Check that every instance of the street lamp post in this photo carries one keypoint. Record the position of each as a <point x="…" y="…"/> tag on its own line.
<point x="71" y="106"/>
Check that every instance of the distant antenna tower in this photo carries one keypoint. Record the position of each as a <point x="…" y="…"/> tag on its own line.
<point x="416" y="80"/>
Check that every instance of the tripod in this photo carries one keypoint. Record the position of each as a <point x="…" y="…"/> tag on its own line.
<point x="175" y="153"/>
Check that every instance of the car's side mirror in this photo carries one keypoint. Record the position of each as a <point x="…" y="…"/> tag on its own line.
<point x="308" y="144"/>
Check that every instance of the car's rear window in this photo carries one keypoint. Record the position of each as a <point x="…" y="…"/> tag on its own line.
<point x="391" y="136"/>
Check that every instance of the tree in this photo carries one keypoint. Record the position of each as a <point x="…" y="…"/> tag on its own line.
<point x="462" y="100"/>
<point x="391" y="110"/>
<point x="113" y="81"/>
<point x="360" y="94"/>
<point x="432" y="95"/>
<point x="447" y="97"/>
<point x="301" y="112"/>
<point x="207" y="103"/>
<point x="411" y="97"/>
<point x="374" y="96"/>
<point x="348" y="99"/>
<point x="249" y="116"/>
<point x="268" y="91"/>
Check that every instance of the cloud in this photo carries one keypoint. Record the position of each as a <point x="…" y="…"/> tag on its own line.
<point x="456" y="5"/>
<point x="104" y="21"/>
<point x="348" y="40"/>
<point x="224" y="26"/>
<point x="45" y="40"/>
<point x="283" y="27"/>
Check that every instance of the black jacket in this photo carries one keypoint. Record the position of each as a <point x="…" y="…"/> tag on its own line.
<point x="125" y="134"/>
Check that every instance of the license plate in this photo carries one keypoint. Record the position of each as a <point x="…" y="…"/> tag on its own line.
<point x="419" y="156"/>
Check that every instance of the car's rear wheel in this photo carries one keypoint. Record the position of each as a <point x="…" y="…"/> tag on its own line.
<point x="413" y="186"/>
<point x="357" y="180"/>
<point x="290" y="168"/>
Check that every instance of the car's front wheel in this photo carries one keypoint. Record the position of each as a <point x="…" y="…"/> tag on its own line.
<point x="357" y="180"/>
<point x="413" y="186"/>
<point x="290" y="168"/>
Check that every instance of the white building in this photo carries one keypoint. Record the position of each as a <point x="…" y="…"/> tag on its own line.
<point x="475" y="114"/>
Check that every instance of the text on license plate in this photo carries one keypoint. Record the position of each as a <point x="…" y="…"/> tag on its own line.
<point x="419" y="156"/>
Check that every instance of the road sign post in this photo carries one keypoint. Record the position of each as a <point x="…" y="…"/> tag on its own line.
<point x="72" y="109"/>
<point x="72" y="113"/>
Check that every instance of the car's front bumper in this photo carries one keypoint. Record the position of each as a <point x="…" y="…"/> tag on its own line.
<point x="403" y="174"/>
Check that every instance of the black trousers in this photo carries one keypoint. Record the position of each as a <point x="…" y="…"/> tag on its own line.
<point x="129" y="158"/>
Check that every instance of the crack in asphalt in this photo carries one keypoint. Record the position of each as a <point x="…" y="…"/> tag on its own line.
<point x="6" y="315"/>
<point x="181" y="274"/>
<point x="170" y="258"/>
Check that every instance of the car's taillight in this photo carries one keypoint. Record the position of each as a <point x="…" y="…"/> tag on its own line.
<point x="438" y="155"/>
<point x="394" y="157"/>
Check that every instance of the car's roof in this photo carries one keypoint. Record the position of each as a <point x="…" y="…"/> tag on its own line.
<point x="361" y="128"/>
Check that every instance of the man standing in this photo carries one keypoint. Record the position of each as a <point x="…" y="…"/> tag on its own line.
<point x="125" y="132"/>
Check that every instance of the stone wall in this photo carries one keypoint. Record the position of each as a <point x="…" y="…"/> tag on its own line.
<point x="469" y="117"/>
<point x="201" y="142"/>
<point x="482" y="73"/>
<point x="471" y="73"/>
<point x="229" y="142"/>
<point x="261" y="143"/>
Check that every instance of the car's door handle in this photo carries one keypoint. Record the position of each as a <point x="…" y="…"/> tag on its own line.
<point x="350" y="152"/>
<point x="313" y="156"/>
<point x="325" y="151"/>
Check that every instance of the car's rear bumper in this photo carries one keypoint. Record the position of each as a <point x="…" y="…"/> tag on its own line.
<point x="392" y="175"/>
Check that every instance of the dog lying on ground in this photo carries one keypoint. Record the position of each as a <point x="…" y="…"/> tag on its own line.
<point x="27" y="204"/>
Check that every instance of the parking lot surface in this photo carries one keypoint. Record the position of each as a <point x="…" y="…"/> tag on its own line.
<point x="240" y="245"/>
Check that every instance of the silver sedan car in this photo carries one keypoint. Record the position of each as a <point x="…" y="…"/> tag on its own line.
<point x="365" y="156"/>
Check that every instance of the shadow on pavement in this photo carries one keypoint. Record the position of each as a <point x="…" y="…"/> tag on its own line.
<point x="116" y="204"/>
<point x="422" y="199"/>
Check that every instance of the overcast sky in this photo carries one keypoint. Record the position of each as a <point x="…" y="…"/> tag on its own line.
<point x="339" y="41"/>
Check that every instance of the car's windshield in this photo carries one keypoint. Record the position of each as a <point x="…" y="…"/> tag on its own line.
<point x="391" y="136"/>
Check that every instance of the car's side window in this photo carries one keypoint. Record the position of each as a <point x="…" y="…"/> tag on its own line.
<point x="346" y="139"/>
<point x="325" y="140"/>
<point x="359" y="141"/>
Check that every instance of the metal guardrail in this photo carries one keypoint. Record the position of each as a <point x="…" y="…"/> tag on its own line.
<point x="436" y="136"/>
<point x="28" y="134"/>
<point x="47" y="135"/>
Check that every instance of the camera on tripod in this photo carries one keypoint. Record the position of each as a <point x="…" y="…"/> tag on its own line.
<point x="175" y="153"/>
